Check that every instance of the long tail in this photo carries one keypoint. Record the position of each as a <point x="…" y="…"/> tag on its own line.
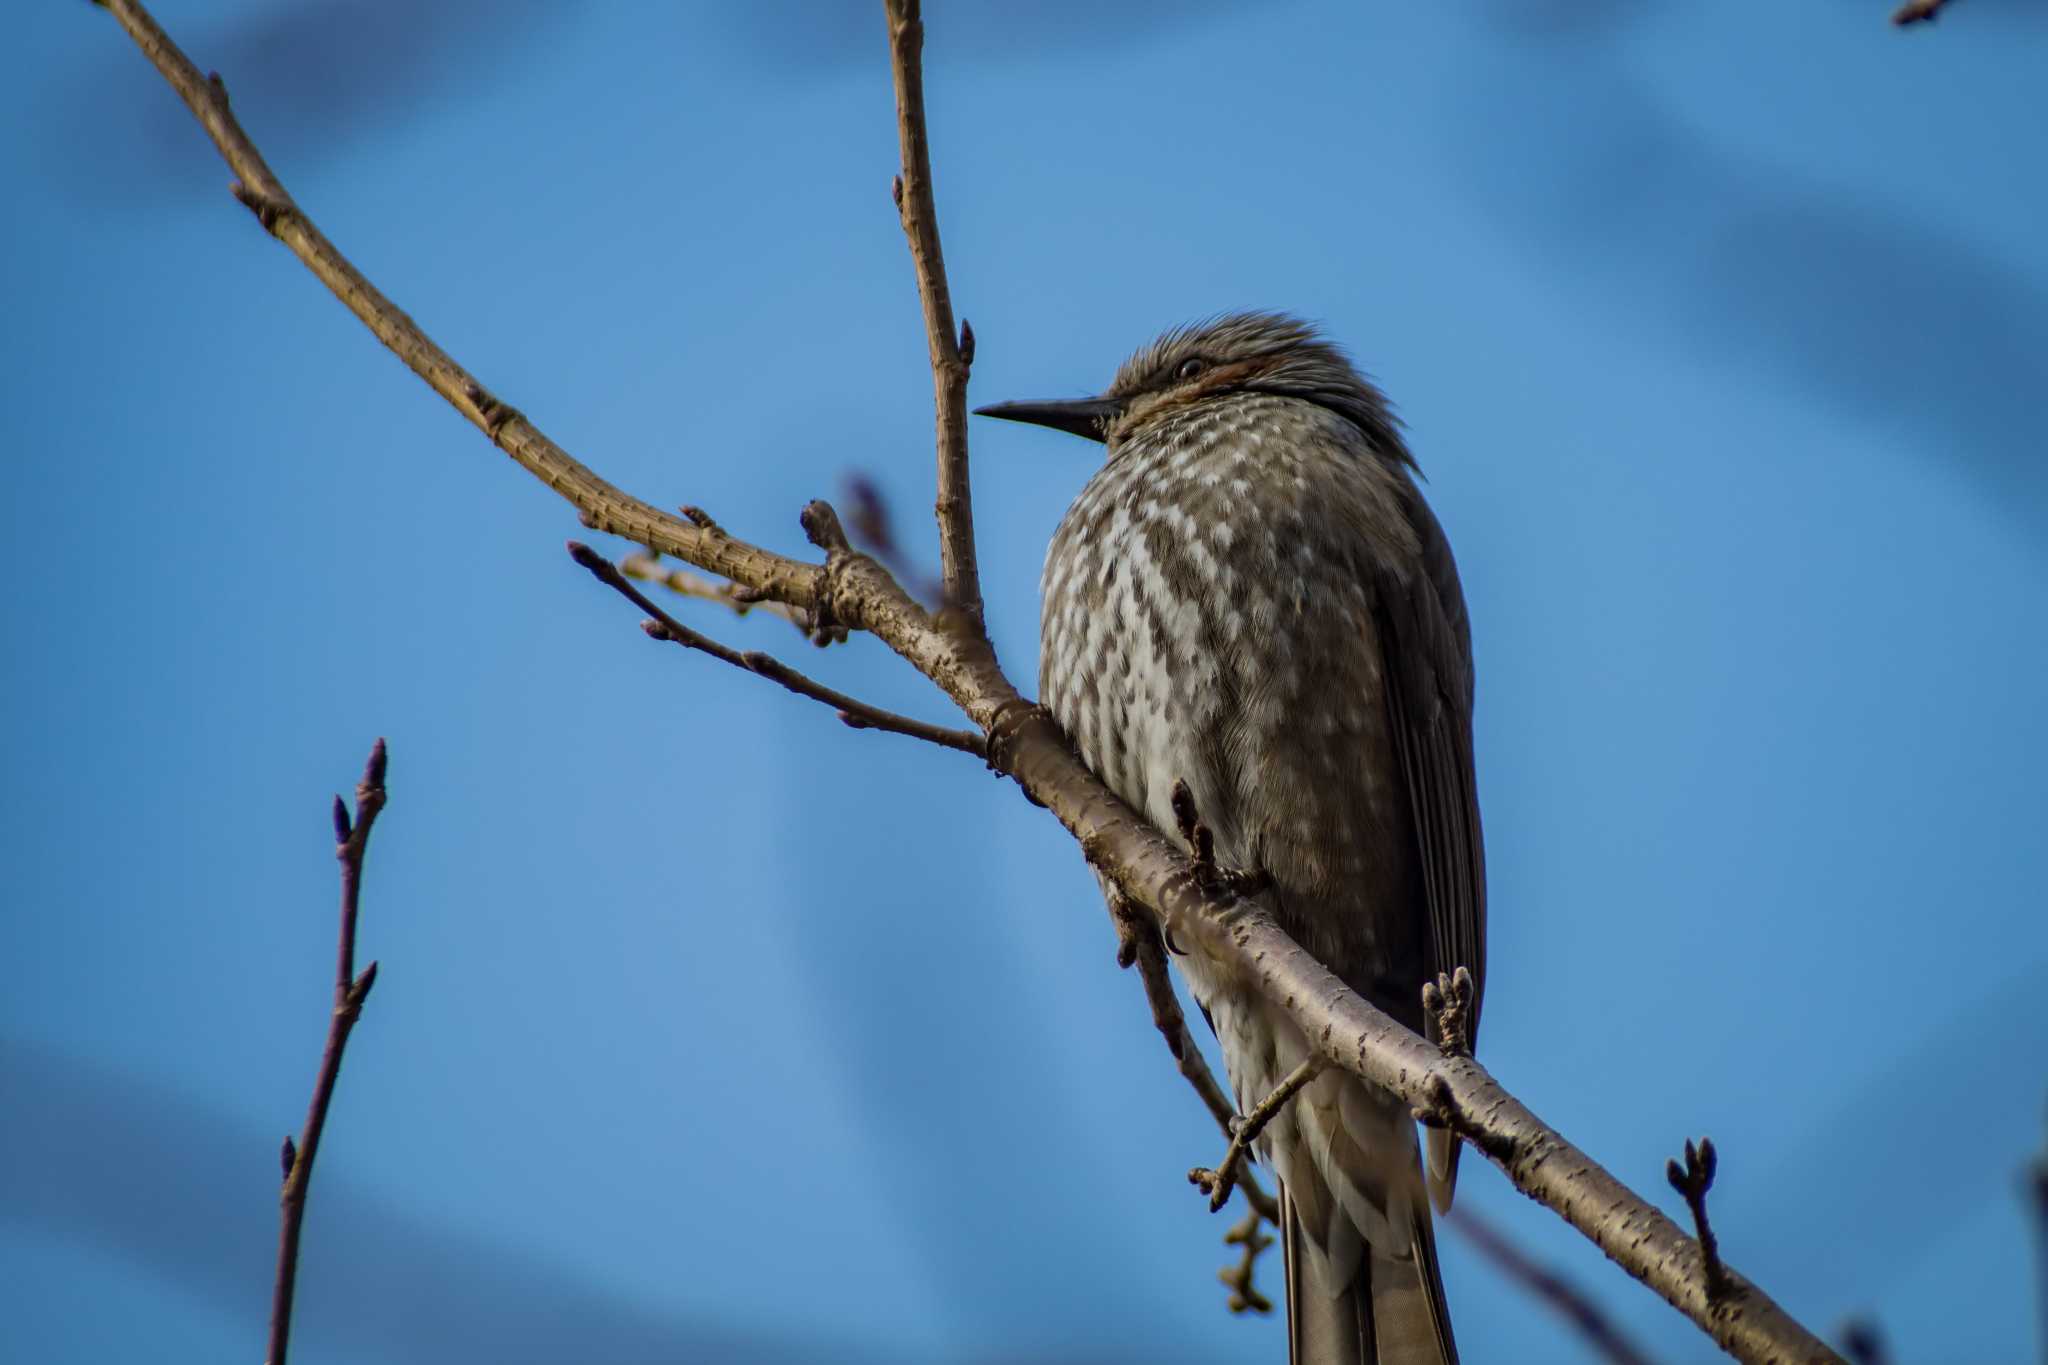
<point x="1392" y="1312"/>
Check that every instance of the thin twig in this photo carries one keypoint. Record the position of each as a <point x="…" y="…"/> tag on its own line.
<point x="1139" y="945"/>
<point x="950" y="358"/>
<point x="352" y="841"/>
<point x="602" y="506"/>
<point x="649" y="569"/>
<point x="1572" y="1303"/>
<point x="1249" y="1233"/>
<point x="855" y="713"/>
<point x="1217" y="1183"/>
<point x="1693" y="1180"/>
<point x="1918" y="12"/>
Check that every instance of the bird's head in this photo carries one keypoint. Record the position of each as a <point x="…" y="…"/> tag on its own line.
<point x="1208" y="362"/>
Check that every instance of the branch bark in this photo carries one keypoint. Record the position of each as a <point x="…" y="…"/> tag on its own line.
<point x="352" y="841"/>
<point x="950" y="355"/>
<point x="854" y="591"/>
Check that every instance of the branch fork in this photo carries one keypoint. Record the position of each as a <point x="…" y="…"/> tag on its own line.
<point x="1245" y="1131"/>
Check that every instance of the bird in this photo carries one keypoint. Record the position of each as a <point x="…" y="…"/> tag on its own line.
<point x="1251" y="601"/>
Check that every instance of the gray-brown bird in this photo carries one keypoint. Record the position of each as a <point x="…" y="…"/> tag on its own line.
<point x="1251" y="597"/>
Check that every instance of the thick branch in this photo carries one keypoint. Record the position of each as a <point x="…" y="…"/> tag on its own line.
<point x="352" y="841"/>
<point x="950" y="356"/>
<point x="855" y="592"/>
<point x="1147" y="866"/>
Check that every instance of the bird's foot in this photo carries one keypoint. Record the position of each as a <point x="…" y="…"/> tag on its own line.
<point x="1235" y="881"/>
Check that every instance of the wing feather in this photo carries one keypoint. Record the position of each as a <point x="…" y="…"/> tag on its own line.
<point x="1426" y="643"/>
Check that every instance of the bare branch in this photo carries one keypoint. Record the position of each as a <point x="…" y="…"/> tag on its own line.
<point x="1140" y="945"/>
<point x="1572" y="1303"/>
<point x="1248" y="1232"/>
<point x="648" y="568"/>
<point x="352" y="842"/>
<point x="950" y="355"/>
<point x="857" y="714"/>
<point x="854" y="591"/>
<point x="1918" y="12"/>
<point x="602" y="506"/>
<point x="1217" y="1183"/>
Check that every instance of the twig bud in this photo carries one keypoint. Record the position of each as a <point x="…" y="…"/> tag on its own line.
<point x="360" y="991"/>
<point x="342" y="828"/>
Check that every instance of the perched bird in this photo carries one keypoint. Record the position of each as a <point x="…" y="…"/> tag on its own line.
<point x="1251" y="597"/>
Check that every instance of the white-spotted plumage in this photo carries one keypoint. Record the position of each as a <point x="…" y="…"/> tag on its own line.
<point x="1218" y="603"/>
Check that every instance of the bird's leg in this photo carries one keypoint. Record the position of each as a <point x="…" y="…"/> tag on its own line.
<point x="1447" y="1001"/>
<point x="1238" y="881"/>
<point x="1218" y="1183"/>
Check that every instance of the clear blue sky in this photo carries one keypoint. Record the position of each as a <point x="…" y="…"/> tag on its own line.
<point x="711" y="1030"/>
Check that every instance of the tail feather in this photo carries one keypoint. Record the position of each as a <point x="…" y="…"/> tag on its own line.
<point x="1391" y="1313"/>
<point x="1443" y="1148"/>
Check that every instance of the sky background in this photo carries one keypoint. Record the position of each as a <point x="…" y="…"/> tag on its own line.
<point x="708" y="1029"/>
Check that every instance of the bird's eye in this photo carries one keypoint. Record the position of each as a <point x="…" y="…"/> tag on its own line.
<point x="1191" y="367"/>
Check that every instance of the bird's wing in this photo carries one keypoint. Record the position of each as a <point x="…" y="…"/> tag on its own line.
<point x="1426" y="643"/>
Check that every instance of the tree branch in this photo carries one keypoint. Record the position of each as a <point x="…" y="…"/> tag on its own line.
<point x="951" y="357"/>
<point x="1244" y="1132"/>
<point x="856" y="713"/>
<point x="853" y="591"/>
<point x="352" y="841"/>
<point x="648" y="568"/>
<point x="1139" y="945"/>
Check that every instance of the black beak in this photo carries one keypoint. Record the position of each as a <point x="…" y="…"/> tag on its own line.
<point x="1088" y="417"/>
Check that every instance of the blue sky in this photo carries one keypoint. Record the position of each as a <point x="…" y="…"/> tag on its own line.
<point x="708" y="1029"/>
